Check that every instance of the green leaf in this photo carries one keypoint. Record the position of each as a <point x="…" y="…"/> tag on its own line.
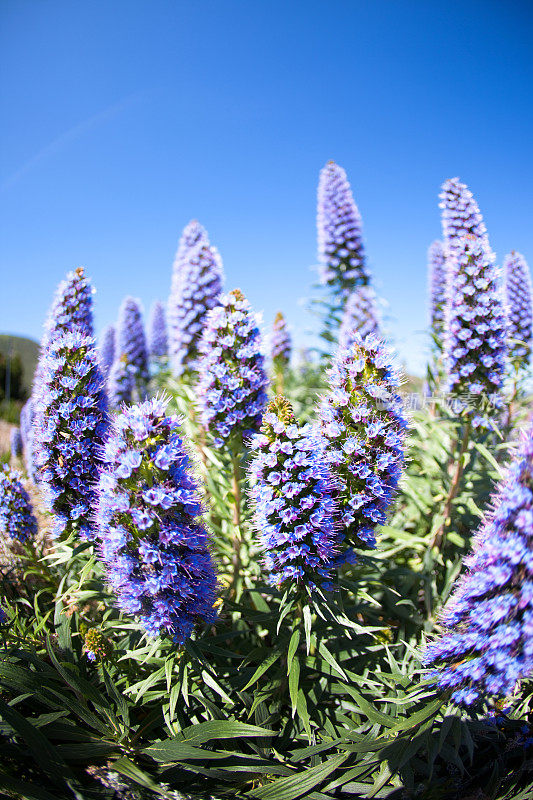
<point x="262" y="668"/>
<point x="293" y="646"/>
<point x="307" y="626"/>
<point x="294" y="681"/>
<point x="299" y="784"/>
<point x="220" y="729"/>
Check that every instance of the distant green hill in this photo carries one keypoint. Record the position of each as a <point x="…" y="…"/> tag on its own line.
<point x="28" y="351"/>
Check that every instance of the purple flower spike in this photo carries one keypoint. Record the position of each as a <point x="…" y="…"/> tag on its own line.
<point x="475" y="339"/>
<point x="131" y="344"/>
<point x="437" y="270"/>
<point x="232" y="383"/>
<point x="15" y="439"/>
<point x="360" y="316"/>
<point x="487" y="646"/>
<point x="120" y="383"/>
<point x="71" y="311"/>
<point x="340" y="239"/>
<point x="16" y="514"/>
<point x="71" y="432"/>
<point x="295" y="514"/>
<point x="191" y="299"/>
<point x="460" y="216"/>
<point x="362" y="421"/>
<point x="158" y="342"/>
<point x="518" y="295"/>
<point x="152" y="538"/>
<point x="193" y="236"/>
<point x="106" y="350"/>
<point x="281" y="342"/>
<point x="26" y="431"/>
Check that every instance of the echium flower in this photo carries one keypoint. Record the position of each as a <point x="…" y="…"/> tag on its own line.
<point x="232" y="383"/>
<point x="71" y="433"/>
<point x="72" y="307"/>
<point x="15" y="440"/>
<point x="519" y="305"/>
<point x="194" y="235"/>
<point x="131" y="339"/>
<point x="281" y="345"/>
<point x="26" y="431"/>
<point x="188" y="306"/>
<point x="362" y="421"/>
<point x="120" y="383"/>
<point x="71" y="310"/>
<point x="157" y="334"/>
<point x="437" y="271"/>
<point x="16" y="514"/>
<point x="152" y="539"/>
<point x="295" y="514"/>
<point x="106" y="350"/>
<point x="487" y="645"/>
<point x="340" y="239"/>
<point x="475" y="338"/>
<point x="360" y="316"/>
<point x="460" y="216"/>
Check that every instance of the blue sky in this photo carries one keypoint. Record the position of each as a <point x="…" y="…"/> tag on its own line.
<point x="122" y="120"/>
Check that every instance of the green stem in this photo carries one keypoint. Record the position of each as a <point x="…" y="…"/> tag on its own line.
<point x="454" y="487"/>
<point x="237" y="537"/>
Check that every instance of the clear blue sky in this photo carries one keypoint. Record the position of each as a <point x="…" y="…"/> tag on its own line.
<point x="123" y="119"/>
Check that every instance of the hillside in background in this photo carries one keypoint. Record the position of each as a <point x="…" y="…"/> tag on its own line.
<point x="28" y="351"/>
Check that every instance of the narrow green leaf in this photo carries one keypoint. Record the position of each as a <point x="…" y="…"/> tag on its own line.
<point x="293" y="646"/>
<point x="262" y="668"/>
<point x="294" y="681"/>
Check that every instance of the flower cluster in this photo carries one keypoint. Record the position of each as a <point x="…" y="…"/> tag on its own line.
<point x="153" y="541"/>
<point x="475" y="339"/>
<point x="26" y="432"/>
<point x="437" y="270"/>
<point x="15" y="439"/>
<point x="120" y="383"/>
<point x="193" y="236"/>
<point x="72" y="307"/>
<point x="460" y="216"/>
<point x="340" y="240"/>
<point x="231" y="388"/>
<point x="281" y="345"/>
<point x="71" y="311"/>
<point x="487" y="646"/>
<point x="362" y="421"/>
<point x="157" y="338"/>
<point x="131" y="342"/>
<point x="519" y="305"/>
<point x="96" y="646"/>
<point x="71" y="431"/>
<point x="106" y="350"/>
<point x="360" y="316"/>
<point x="295" y="514"/>
<point x="196" y="293"/>
<point x="16" y="515"/>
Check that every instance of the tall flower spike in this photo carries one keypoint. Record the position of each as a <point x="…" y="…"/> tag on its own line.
<point x="231" y="388"/>
<point x="106" y="350"/>
<point x="131" y="342"/>
<point x="71" y="311"/>
<point x="197" y="293"/>
<point x="362" y="421"/>
<point x="120" y="383"/>
<point x="360" y="316"/>
<point x="157" y="339"/>
<point x="16" y="515"/>
<point x="193" y="236"/>
<point x="281" y="342"/>
<point x="295" y="513"/>
<point x="437" y="270"/>
<point x="487" y="646"/>
<point x="72" y="429"/>
<point x="476" y="330"/>
<point x="15" y="440"/>
<point x="340" y="239"/>
<point x="518" y="295"/>
<point x="460" y="216"/>
<point x="27" y="434"/>
<point x="153" y="541"/>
